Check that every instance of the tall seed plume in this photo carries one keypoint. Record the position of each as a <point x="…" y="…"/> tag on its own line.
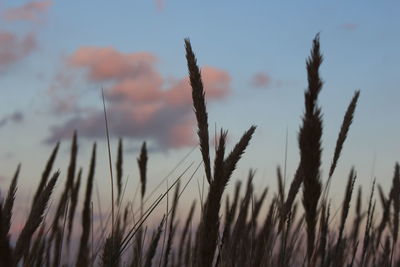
<point x="185" y="232"/>
<point x="142" y="162"/>
<point x="83" y="254"/>
<point x="153" y="244"/>
<point x="208" y="232"/>
<point x="72" y="165"/>
<point x="347" y="121"/>
<point x="5" y="248"/>
<point x="68" y="185"/>
<point x="34" y="219"/>
<point x="346" y="206"/>
<point x="281" y="187"/>
<point x="231" y="213"/>
<point x="257" y="208"/>
<point x="368" y="225"/>
<point x="396" y="202"/>
<point x="293" y="190"/>
<point x="324" y="230"/>
<point x="9" y="203"/>
<point x="74" y="202"/>
<point x="310" y="145"/>
<point x="237" y="152"/>
<point x="46" y="172"/>
<point x="358" y="218"/>
<point x="219" y="156"/>
<point x="119" y="169"/>
<point x="210" y="218"/>
<point x="199" y="104"/>
<point x="386" y="205"/>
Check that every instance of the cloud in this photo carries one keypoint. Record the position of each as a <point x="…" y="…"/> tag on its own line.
<point x="216" y="84"/>
<point x="260" y="80"/>
<point x="349" y="26"/>
<point x="31" y="11"/>
<point x="142" y="105"/>
<point x="109" y="64"/>
<point x="14" y="48"/>
<point x="161" y="128"/>
<point x="16" y="117"/>
<point x="160" y="5"/>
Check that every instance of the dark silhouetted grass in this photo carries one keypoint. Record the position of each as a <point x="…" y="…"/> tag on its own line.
<point x="250" y="231"/>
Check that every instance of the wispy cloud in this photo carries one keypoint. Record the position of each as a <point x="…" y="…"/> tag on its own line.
<point x="160" y="4"/>
<point x="14" y="48"/>
<point x="141" y="103"/>
<point x="16" y="117"/>
<point x="349" y="26"/>
<point x="260" y="80"/>
<point x="31" y="11"/>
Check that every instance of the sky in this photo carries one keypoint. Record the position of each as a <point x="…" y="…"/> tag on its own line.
<point x="56" y="56"/>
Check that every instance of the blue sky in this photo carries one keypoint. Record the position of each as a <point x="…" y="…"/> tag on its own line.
<point x="253" y="54"/>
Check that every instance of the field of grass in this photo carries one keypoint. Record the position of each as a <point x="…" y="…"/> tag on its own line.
<point x="298" y="229"/>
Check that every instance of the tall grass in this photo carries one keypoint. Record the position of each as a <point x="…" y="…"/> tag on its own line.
<point x="250" y="232"/>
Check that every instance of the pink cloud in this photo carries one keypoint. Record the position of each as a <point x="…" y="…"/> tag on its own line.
<point x="145" y="112"/>
<point x="349" y="26"/>
<point x="137" y="90"/>
<point x="216" y="85"/>
<point x="13" y="48"/>
<point x="182" y="135"/>
<point x="30" y="11"/>
<point x="142" y="105"/>
<point x="109" y="64"/>
<point x="260" y="80"/>
<point x="160" y="5"/>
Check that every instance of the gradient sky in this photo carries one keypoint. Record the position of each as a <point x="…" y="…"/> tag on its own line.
<point x="55" y="56"/>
